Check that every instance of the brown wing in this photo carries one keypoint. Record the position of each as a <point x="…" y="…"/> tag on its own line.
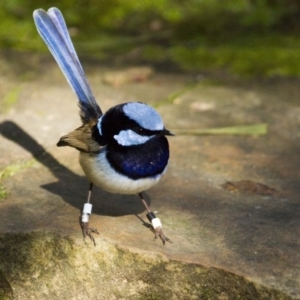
<point x="81" y="139"/>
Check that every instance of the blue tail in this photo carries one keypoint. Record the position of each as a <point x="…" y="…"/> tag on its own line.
<point x="53" y="30"/>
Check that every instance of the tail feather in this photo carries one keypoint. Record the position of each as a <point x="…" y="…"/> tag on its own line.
<point x="53" y="30"/>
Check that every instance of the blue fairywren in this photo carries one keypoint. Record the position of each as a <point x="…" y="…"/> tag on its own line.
<point x="123" y="150"/>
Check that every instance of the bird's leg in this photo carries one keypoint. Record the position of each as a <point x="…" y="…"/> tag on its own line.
<point x="87" y="210"/>
<point x="156" y="224"/>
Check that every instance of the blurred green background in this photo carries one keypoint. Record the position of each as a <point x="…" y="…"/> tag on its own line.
<point x="242" y="37"/>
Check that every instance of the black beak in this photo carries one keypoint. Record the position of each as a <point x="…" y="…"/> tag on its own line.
<point x="167" y="132"/>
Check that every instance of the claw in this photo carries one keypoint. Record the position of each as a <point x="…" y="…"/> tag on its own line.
<point x="87" y="231"/>
<point x="159" y="233"/>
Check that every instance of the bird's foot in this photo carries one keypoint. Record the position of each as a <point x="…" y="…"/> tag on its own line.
<point x="159" y="233"/>
<point x="87" y="231"/>
<point x="157" y="227"/>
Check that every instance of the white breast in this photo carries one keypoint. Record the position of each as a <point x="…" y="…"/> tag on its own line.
<point x="98" y="170"/>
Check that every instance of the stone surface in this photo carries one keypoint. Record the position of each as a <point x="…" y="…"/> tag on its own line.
<point x="228" y="243"/>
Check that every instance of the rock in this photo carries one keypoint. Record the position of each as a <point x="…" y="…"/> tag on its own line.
<point x="225" y="245"/>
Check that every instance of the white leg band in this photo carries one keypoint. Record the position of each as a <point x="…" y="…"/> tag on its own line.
<point x="85" y="218"/>
<point x="156" y="223"/>
<point x="87" y="210"/>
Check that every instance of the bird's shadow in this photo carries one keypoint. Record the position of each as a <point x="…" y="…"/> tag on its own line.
<point x="71" y="187"/>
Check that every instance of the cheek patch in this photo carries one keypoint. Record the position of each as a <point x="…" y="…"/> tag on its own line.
<point x="130" y="138"/>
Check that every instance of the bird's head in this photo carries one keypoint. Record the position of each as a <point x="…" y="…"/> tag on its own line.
<point x="130" y="124"/>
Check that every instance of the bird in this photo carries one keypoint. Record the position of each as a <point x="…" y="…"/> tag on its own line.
<point x="125" y="149"/>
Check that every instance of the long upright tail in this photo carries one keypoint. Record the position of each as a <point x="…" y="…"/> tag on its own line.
<point x="53" y="30"/>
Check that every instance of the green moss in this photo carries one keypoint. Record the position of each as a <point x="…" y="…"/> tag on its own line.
<point x="255" y="56"/>
<point x="46" y="265"/>
<point x="170" y="99"/>
<point x="11" y="170"/>
<point x="179" y="93"/>
<point x="6" y="292"/>
<point x="3" y="192"/>
<point x="16" y="167"/>
<point x="242" y="37"/>
<point x="154" y="53"/>
<point x="35" y="253"/>
<point x="10" y="98"/>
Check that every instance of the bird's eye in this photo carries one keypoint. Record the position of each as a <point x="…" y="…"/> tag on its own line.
<point x="142" y="131"/>
<point x="139" y="130"/>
